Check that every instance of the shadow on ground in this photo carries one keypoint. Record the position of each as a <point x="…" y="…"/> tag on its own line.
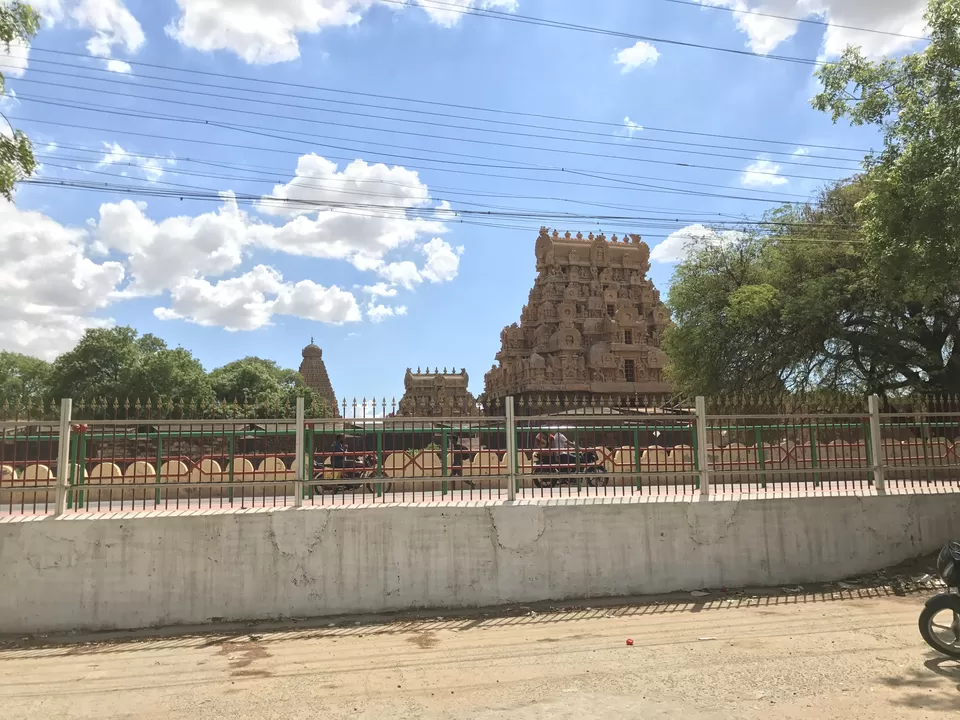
<point x="934" y="686"/>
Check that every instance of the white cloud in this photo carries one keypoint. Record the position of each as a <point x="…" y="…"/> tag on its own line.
<point x="764" y="34"/>
<point x="404" y="273"/>
<point x="50" y="288"/>
<point x="265" y="31"/>
<point x="380" y="290"/>
<point x="14" y="60"/>
<point x="161" y="254"/>
<point x="630" y="128"/>
<point x="443" y="211"/>
<point x="112" y="24"/>
<point x="8" y="99"/>
<point x="379" y="313"/>
<point x="196" y="259"/>
<point x="318" y="185"/>
<point x="448" y="16"/>
<point x="119" y="66"/>
<point x="442" y="265"/>
<point x="763" y="172"/>
<point x="248" y="302"/>
<point x="678" y="244"/>
<point x="150" y="167"/>
<point x="356" y="231"/>
<point x="801" y="151"/>
<point x="443" y="261"/>
<point x="640" y="54"/>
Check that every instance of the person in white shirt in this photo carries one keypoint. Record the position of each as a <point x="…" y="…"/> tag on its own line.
<point x="558" y="441"/>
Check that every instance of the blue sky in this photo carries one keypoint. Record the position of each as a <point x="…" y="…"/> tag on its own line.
<point x="444" y="283"/>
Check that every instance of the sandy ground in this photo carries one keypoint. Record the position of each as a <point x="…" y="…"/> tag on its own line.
<point x="850" y="654"/>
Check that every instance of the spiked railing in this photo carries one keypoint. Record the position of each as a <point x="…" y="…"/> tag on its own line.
<point x="170" y="454"/>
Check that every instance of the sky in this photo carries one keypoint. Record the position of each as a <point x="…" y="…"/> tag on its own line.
<point x="240" y="176"/>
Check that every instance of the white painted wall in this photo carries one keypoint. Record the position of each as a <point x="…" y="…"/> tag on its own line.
<point x="133" y="573"/>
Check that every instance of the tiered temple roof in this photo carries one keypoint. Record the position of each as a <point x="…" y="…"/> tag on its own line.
<point x="592" y="325"/>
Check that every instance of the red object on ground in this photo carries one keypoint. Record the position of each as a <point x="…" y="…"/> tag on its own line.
<point x="629" y="641"/>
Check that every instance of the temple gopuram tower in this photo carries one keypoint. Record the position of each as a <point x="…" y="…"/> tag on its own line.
<point x="590" y="330"/>
<point x="314" y="374"/>
<point x="436" y="394"/>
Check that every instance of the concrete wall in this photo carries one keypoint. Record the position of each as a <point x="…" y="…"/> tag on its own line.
<point x="131" y="573"/>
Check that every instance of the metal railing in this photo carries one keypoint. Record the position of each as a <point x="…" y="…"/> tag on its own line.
<point x="51" y="463"/>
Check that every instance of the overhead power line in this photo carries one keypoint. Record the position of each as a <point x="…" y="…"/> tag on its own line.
<point x="388" y="211"/>
<point x="468" y="159"/>
<point x="784" y="198"/>
<point x="341" y="185"/>
<point x="253" y="85"/>
<point x="545" y="22"/>
<point x="626" y="142"/>
<point x="96" y="107"/>
<point x="805" y="21"/>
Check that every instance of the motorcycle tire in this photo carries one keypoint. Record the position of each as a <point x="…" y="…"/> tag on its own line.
<point x="596" y="480"/>
<point x="934" y="606"/>
<point x="372" y="488"/>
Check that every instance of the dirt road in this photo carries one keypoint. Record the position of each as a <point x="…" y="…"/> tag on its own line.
<point x="852" y="655"/>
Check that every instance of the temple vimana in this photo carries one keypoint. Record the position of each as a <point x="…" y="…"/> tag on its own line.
<point x="590" y="330"/>
<point x="591" y="327"/>
<point x="314" y="374"/>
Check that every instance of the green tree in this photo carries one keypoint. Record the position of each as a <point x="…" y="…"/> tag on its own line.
<point x="22" y="376"/>
<point x="260" y="383"/>
<point x="802" y="307"/>
<point x="911" y="214"/>
<point x="858" y="290"/>
<point x="18" y="21"/>
<point x="117" y="363"/>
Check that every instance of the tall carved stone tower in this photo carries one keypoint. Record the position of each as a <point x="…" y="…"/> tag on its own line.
<point x="314" y="374"/>
<point x="591" y="327"/>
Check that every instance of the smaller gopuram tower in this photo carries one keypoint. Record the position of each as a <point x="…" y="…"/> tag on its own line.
<point x="436" y="394"/>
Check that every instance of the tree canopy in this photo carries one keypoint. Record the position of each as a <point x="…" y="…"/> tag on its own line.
<point x="858" y="290"/>
<point x="119" y="365"/>
<point x="18" y="22"/>
<point x="255" y="381"/>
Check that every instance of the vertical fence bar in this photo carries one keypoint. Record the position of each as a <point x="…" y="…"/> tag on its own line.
<point x="701" y="437"/>
<point x="74" y="441"/>
<point x="511" y="451"/>
<point x="63" y="456"/>
<point x="159" y="469"/>
<point x="876" y="453"/>
<point x="300" y="455"/>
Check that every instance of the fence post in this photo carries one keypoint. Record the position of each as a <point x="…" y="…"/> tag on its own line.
<point x="511" y="451"/>
<point x="876" y="442"/>
<point x="300" y="455"/>
<point x="63" y="456"/>
<point x="703" y="456"/>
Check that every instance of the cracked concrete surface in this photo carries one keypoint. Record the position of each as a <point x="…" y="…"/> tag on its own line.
<point x="516" y="528"/>
<point x="97" y="574"/>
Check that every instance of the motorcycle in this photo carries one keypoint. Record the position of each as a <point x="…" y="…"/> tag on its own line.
<point x="944" y="636"/>
<point x="366" y="469"/>
<point x="571" y="464"/>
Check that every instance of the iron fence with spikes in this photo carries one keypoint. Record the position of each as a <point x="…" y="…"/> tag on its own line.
<point x="148" y="454"/>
